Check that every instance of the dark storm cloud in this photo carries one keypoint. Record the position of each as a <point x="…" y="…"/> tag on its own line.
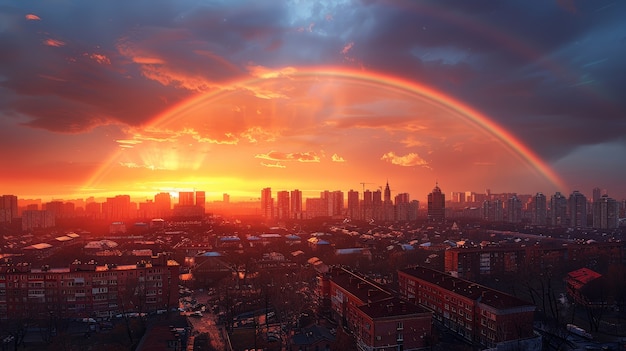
<point x="534" y="69"/>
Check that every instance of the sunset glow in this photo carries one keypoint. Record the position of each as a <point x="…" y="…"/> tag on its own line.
<point x="231" y="99"/>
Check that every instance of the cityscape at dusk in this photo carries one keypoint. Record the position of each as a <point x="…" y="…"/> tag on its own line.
<point x="110" y="98"/>
<point x="293" y="175"/>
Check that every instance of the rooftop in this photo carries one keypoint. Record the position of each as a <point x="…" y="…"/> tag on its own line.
<point x="467" y="289"/>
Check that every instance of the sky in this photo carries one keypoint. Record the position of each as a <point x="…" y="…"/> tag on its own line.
<point x="139" y="97"/>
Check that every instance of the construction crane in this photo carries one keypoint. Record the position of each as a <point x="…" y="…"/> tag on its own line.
<point x="363" y="185"/>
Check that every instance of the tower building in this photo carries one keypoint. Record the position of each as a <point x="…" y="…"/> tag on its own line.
<point x="436" y="204"/>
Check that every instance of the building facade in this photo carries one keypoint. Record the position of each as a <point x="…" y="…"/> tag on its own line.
<point x="87" y="289"/>
<point x="478" y="314"/>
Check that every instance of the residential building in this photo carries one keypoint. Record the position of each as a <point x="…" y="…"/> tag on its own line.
<point x="605" y="213"/>
<point x="378" y="319"/>
<point x="296" y="204"/>
<point x="436" y="204"/>
<point x="577" y="210"/>
<point x="282" y="205"/>
<point x="538" y="209"/>
<point x="558" y="210"/>
<point x="478" y="314"/>
<point x="88" y="289"/>
<point x="267" y="203"/>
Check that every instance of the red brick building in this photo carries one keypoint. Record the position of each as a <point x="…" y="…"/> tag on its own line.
<point x="578" y="285"/>
<point x="478" y="314"/>
<point x="87" y="289"/>
<point x="378" y="320"/>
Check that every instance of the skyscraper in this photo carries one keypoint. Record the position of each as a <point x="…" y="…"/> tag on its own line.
<point x="436" y="204"/>
<point x="282" y="205"/>
<point x="605" y="213"/>
<point x="201" y="199"/>
<point x="267" y="203"/>
<point x="186" y="198"/>
<point x="368" y="205"/>
<point x="538" y="209"/>
<point x="296" y="204"/>
<point x="163" y="203"/>
<point x="353" y="204"/>
<point x="388" y="210"/>
<point x="577" y="210"/>
<point x="558" y="210"/>
<point x="8" y="208"/>
<point x="514" y="210"/>
<point x="493" y="210"/>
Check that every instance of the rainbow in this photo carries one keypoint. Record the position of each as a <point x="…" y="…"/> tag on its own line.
<point x="377" y="79"/>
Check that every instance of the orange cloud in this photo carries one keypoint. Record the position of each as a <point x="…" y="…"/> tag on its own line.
<point x="100" y="58"/>
<point x="408" y="160"/>
<point x="273" y="165"/>
<point x="297" y="156"/>
<point x="32" y="17"/>
<point x="337" y="158"/>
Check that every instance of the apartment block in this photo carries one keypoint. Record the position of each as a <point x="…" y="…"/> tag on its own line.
<point x="87" y="289"/>
<point x="480" y="315"/>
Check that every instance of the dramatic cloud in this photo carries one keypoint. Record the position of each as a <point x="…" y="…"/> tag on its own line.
<point x="408" y="160"/>
<point x="297" y="156"/>
<point x="94" y="87"/>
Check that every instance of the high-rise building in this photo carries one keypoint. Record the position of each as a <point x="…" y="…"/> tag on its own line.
<point x="282" y="205"/>
<point x="458" y="197"/>
<point x="538" y="209"/>
<point x="605" y="213"/>
<point x="558" y="210"/>
<point x="514" y="210"/>
<point x="402" y="207"/>
<point x="163" y="204"/>
<point x="267" y="203"/>
<point x="8" y="208"/>
<point x="186" y="198"/>
<point x="596" y="194"/>
<point x="436" y="204"/>
<point x="367" y="207"/>
<point x="353" y="204"/>
<point x="493" y="210"/>
<point x="577" y="210"/>
<point x="377" y="205"/>
<point x="117" y="208"/>
<point x="296" y="204"/>
<point x="225" y="198"/>
<point x="388" y="209"/>
<point x="201" y="199"/>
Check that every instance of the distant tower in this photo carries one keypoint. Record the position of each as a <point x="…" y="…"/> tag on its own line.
<point x="387" y="198"/>
<point x="163" y="204"/>
<point x="538" y="209"/>
<point x="296" y="204"/>
<point x="596" y="194"/>
<point x="436" y="204"/>
<point x="225" y="198"/>
<point x="186" y="198"/>
<point x="201" y="199"/>
<point x="368" y="205"/>
<point x="577" y="209"/>
<point x="605" y="213"/>
<point x="267" y="203"/>
<point x="493" y="210"/>
<point x="353" y="204"/>
<point x="282" y="205"/>
<point x="558" y="210"/>
<point x="514" y="209"/>
<point x="8" y="208"/>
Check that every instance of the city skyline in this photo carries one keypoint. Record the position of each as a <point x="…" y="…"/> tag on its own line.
<point x="234" y="97"/>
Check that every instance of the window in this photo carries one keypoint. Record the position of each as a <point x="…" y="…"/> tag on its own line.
<point x="400" y="326"/>
<point x="399" y="337"/>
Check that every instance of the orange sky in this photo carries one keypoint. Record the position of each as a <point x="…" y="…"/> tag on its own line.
<point x="234" y="96"/>
<point x="320" y="130"/>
